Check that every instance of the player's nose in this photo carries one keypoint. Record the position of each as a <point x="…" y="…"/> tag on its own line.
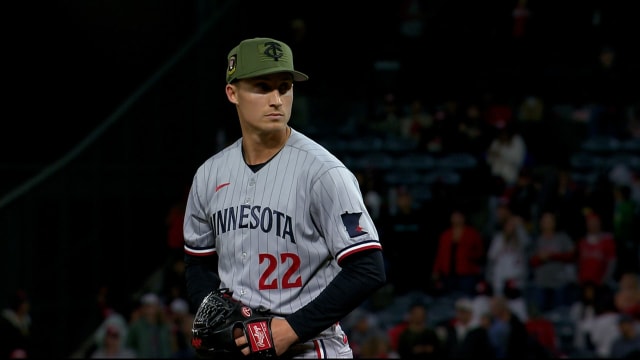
<point x="275" y="98"/>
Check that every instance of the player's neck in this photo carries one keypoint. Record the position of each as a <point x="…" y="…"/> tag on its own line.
<point x="257" y="149"/>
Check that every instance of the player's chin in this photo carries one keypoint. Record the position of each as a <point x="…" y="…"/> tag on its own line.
<point x="277" y="122"/>
<point x="275" y="125"/>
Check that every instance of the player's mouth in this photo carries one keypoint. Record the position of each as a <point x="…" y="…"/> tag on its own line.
<point x="275" y="115"/>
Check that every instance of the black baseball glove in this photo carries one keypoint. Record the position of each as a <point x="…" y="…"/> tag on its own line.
<point x="217" y="320"/>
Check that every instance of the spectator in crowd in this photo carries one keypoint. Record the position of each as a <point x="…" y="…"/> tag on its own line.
<point x="110" y="339"/>
<point x="627" y="344"/>
<point x="542" y="330"/>
<point x="15" y="327"/>
<point x="481" y="301"/>
<point x="411" y="27"/>
<point x="521" y="15"/>
<point x="361" y="326"/>
<point x="531" y="111"/>
<point x="377" y="347"/>
<point x="561" y="194"/>
<point x="514" y="295"/>
<point x="471" y="131"/>
<point x="110" y="306"/>
<point x="416" y="122"/>
<point x="599" y="200"/>
<point x="419" y="340"/>
<point x="394" y="332"/>
<point x="605" y="91"/>
<point x="463" y="339"/>
<point x="499" y="212"/>
<point x="507" y="258"/>
<point x="524" y="197"/>
<point x="552" y="264"/>
<point x="632" y="123"/>
<point x="452" y="329"/>
<point x="508" y="334"/>
<point x="506" y="153"/>
<point x="181" y="321"/>
<point x="604" y="328"/>
<point x="104" y="305"/>
<point x="582" y="313"/>
<point x="596" y="253"/>
<point x="627" y="295"/>
<point x="626" y="216"/>
<point x="386" y="117"/>
<point x="460" y="256"/>
<point x="149" y="331"/>
<point x="173" y="284"/>
<point x="441" y="136"/>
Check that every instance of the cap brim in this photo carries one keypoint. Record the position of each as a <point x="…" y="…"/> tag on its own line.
<point x="298" y="76"/>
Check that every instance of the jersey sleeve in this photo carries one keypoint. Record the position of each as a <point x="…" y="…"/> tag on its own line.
<point x="198" y="235"/>
<point x="339" y="211"/>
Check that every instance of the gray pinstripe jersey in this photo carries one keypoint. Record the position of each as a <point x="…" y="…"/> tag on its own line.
<point x="280" y="232"/>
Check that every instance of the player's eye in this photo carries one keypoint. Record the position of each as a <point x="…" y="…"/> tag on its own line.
<point x="263" y="87"/>
<point x="285" y="87"/>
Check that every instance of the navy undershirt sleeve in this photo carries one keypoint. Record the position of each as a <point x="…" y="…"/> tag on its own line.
<point x="201" y="277"/>
<point x="361" y="275"/>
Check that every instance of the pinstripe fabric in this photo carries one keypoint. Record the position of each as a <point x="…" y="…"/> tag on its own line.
<point x="279" y="232"/>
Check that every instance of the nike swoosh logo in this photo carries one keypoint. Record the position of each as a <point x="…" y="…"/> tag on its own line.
<point x="221" y="186"/>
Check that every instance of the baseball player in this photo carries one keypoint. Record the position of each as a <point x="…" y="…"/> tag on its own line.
<point x="278" y="219"/>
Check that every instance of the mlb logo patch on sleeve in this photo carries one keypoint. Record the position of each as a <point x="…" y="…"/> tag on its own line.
<point x="352" y="223"/>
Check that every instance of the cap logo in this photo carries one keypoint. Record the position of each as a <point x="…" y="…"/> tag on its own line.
<point x="273" y="50"/>
<point x="231" y="67"/>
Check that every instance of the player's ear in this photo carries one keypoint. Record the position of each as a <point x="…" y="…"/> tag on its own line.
<point x="231" y="91"/>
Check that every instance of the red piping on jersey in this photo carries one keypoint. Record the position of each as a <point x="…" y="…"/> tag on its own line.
<point x="204" y="253"/>
<point x="316" y="344"/>
<point x="373" y="245"/>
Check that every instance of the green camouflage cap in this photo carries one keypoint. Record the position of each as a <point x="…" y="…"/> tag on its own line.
<point x="261" y="56"/>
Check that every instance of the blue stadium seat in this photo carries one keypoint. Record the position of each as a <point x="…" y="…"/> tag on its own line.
<point x="403" y="177"/>
<point x="630" y="161"/>
<point x="398" y="144"/>
<point x="364" y="144"/>
<point x="415" y="160"/>
<point x="584" y="161"/>
<point x="585" y="178"/>
<point x="458" y="161"/>
<point x="601" y="144"/>
<point x="373" y="161"/>
<point x="449" y="177"/>
<point x="630" y="146"/>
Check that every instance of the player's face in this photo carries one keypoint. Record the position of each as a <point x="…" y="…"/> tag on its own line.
<point x="263" y="103"/>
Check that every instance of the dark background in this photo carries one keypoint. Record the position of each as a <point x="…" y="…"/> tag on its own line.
<point x="70" y="64"/>
<point x="112" y="105"/>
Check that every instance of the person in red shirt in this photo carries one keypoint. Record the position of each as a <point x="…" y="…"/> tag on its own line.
<point x="596" y="253"/>
<point x="460" y="256"/>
